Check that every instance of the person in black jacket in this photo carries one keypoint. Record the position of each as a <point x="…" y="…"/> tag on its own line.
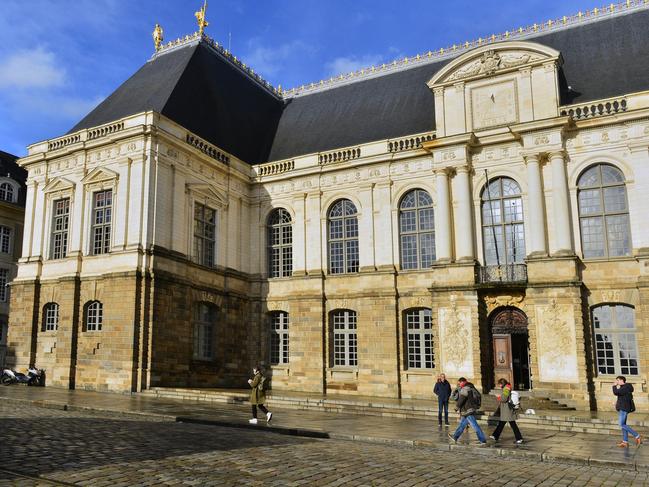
<point x="443" y="392"/>
<point x="624" y="405"/>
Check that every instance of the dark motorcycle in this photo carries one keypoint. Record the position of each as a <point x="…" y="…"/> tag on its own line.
<point x="34" y="377"/>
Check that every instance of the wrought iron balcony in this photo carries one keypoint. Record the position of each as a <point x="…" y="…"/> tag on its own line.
<point x="503" y="274"/>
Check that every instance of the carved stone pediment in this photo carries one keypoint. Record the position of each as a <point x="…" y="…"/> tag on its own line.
<point x="58" y="184"/>
<point x="99" y="175"/>
<point x="208" y="192"/>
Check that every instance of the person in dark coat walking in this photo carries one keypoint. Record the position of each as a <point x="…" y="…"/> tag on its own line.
<point x="258" y="395"/>
<point x="624" y="406"/>
<point x="506" y="413"/>
<point x="443" y="392"/>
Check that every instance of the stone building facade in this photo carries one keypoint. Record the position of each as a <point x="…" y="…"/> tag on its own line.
<point x="478" y="211"/>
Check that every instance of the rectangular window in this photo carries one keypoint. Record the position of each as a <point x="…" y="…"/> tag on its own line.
<point x="420" y="339"/>
<point x="60" y="226"/>
<point x="204" y="324"/>
<point x="345" y="342"/>
<point x="5" y="240"/>
<point x="204" y="235"/>
<point x="616" y="347"/>
<point x="279" y="338"/>
<point x="4" y="290"/>
<point x="102" y="217"/>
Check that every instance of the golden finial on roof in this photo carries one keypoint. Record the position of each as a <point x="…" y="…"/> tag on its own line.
<point x="200" y="18"/>
<point x="157" y="37"/>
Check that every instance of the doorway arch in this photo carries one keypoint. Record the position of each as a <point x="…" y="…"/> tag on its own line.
<point x="510" y="341"/>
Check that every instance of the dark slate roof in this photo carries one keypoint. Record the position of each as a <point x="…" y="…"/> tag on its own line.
<point x="9" y="167"/>
<point x="201" y="90"/>
<point x="205" y="93"/>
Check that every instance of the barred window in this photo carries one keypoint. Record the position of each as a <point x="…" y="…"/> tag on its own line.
<point x="102" y="217"/>
<point x="503" y="232"/>
<point x="204" y="235"/>
<point x="94" y="316"/>
<point x="343" y="238"/>
<point x="419" y="339"/>
<point x="5" y="239"/>
<point x="603" y="213"/>
<point x="280" y="244"/>
<point x="615" y="339"/>
<point x="4" y="290"/>
<point x="51" y="317"/>
<point x="417" y="230"/>
<point x="60" y="226"/>
<point x="279" y="337"/>
<point x="204" y="331"/>
<point x="7" y="192"/>
<point x="345" y="342"/>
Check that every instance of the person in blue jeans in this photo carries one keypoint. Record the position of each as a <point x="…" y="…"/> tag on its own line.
<point x="624" y="406"/>
<point x="443" y="392"/>
<point x="468" y="403"/>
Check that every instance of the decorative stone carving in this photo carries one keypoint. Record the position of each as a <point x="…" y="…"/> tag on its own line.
<point x="277" y="305"/>
<point x="455" y="339"/>
<point x="494" y="104"/>
<point x="492" y="61"/>
<point x="493" y="302"/>
<point x="556" y="343"/>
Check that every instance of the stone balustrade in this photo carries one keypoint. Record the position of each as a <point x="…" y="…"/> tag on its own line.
<point x="63" y="142"/>
<point x="207" y="148"/>
<point x="276" y="168"/>
<point x="99" y="132"/>
<point x="409" y="143"/>
<point x="339" y="156"/>
<point x="602" y="108"/>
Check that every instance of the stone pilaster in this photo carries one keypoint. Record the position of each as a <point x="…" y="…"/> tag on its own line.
<point x="463" y="221"/>
<point x="443" y="226"/>
<point x="535" y="211"/>
<point x="560" y="202"/>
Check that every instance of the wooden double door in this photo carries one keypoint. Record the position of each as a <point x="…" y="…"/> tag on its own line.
<point x="511" y="348"/>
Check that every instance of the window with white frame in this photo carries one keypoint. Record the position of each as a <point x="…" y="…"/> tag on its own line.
<point x="343" y="238"/>
<point x="5" y="239"/>
<point x="616" y="345"/>
<point x="280" y="244"/>
<point x="51" y="317"/>
<point x="419" y="339"/>
<point x="102" y="217"/>
<point x="60" y="226"/>
<point x="345" y="340"/>
<point x="603" y="213"/>
<point x="7" y="192"/>
<point x="279" y="337"/>
<point x="94" y="316"/>
<point x="417" y="230"/>
<point x="4" y="289"/>
<point x="503" y="231"/>
<point x="204" y="331"/>
<point x="204" y="235"/>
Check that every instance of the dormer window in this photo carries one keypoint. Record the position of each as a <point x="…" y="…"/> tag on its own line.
<point x="7" y="192"/>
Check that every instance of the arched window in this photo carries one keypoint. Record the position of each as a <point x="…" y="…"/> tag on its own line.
<point x="419" y="339"/>
<point x="7" y="192"/>
<point x="345" y="341"/>
<point x="417" y="230"/>
<point x="280" y="244"/>
<point x="603" y="213"/>
<point x="343" y="238"/>
<point x="204" y="331"/>
<point x="502" y="222"/>
<point x="615" y="339"/>
<point x="94" y="316"/>
<point x="51" y="317"/>
<point x="279" y="337"/>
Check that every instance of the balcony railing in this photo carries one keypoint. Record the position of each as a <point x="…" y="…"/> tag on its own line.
<point x="505" y="274"/>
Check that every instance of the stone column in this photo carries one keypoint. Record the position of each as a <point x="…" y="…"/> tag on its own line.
<point x="561" y="203"/>
<point x="464" y="248"/>
<point x="443" y="228"/>
<point x="536" y="217"/>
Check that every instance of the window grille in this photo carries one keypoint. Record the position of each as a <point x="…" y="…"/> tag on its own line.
<point x="343" y="238"/>
<point x="419" y="339"/>
<point x="616" y="346"/>
<point x="7" y="192"/>
<point x="5" y="240"/>
<point x="102" y="216"/>
<point x="280" y="244"/>
<point x="345" y="342"/>
<point x="51" y="317"/>
<point x="204" y="331"/>
<point x="417" y="230"/>
<point x="60" y="226"/>
<point x="279" y="338"/>
<point x="204" y="235"/>
<point x="94" y="316"/>
<point x="503" y="232"/>
<point x="4" y="289"/>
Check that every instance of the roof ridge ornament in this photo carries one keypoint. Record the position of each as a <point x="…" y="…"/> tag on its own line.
<point x="200" y="18"/>
<point x="157" y="36"/>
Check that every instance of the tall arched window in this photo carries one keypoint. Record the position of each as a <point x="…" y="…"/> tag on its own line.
<point x="345" y="341"/>
<point x="94" y="316"/>
<point x="603" y="213"/>
<point x="204" y="331"/>
<point x="419" y="338"/>
<point x="502" y="222"/>
<point x="615" y="339"/>
<point x="280" y="244"/>
<point x="279" y="337"/>
<point x="343" y="237"/>
<point x="51" y="317"/>
<point x="417" y="230"/>
<point x="7" y="192"/>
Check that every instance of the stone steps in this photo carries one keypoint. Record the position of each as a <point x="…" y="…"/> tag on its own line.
<point x="555" y="416"/>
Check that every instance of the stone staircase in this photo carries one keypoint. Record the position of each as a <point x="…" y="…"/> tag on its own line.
<point x="549" y="414"/>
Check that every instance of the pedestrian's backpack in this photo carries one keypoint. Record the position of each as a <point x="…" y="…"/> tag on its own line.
<point x="263" y="384"/>
<point x="515" y="399"/>
<point x="477" y="398"/>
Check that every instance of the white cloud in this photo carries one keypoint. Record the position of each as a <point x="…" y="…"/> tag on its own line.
<point x="343" y="65"/>
<point x="268" y="61"/>
<point x="31" y="68"/>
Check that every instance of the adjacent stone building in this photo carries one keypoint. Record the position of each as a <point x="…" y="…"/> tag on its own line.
<point x="12" y="215"/>
<point x="478" y="210"/>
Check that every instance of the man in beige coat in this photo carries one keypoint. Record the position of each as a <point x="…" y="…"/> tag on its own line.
<point x="258" y="395"/>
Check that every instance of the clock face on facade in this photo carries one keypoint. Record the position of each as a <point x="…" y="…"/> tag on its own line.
<point x="493" y="105"/>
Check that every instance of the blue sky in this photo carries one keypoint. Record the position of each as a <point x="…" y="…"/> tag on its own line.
<point x="59" y="58"/>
